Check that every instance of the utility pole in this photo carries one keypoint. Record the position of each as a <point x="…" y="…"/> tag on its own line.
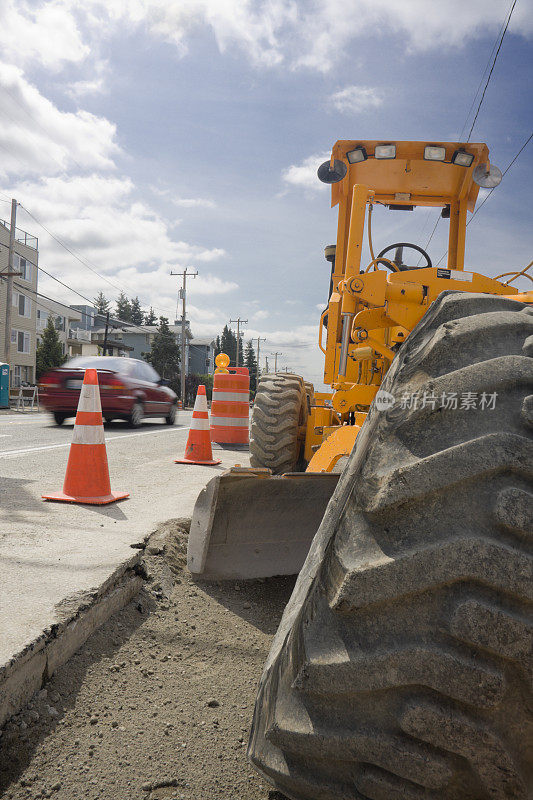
<point x="259" y="339"/>
<point x="10" y="273"/>
<point x="182" y="294"/>
<point x="276" y="360"/>
<point x="238" y="321"/>
<point x="105" y="333"/>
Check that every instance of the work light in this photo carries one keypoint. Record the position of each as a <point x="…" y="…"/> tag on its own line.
<point x="433" y="152"/>
<point x="385" y="151"/>
<point x="462" y="158"/>
<point x="356" y="155"/>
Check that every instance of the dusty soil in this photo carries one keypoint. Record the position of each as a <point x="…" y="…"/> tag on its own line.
<point x="158" y="702"/>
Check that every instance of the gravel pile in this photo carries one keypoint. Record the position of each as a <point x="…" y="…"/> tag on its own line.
<point x="157" y="704"/>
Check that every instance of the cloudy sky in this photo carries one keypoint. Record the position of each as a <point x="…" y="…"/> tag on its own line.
<point x="151" y="135"/>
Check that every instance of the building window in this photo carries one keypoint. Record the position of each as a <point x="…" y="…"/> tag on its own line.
<point x="42" y="318"/>
<point x="22" y="339"/>
<point x="23" y="304"/>
<point x="16" y="376"/>
<point x="23" y="266"/>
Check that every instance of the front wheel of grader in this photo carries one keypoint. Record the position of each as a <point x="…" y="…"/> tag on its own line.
<point x="401" y="668"/>
<point x="279" y="418"/>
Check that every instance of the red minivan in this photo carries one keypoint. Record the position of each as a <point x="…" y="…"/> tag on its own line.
<point x="129" y="389"/>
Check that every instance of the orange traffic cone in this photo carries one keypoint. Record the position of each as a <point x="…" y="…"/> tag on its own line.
<point x="87" y="477"/>
<point x="198" y="450"/>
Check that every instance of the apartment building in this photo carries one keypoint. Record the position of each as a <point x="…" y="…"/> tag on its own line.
<point x="140" y="338"/>
<point x="201" y="357"/>
<point x="65" y="320"/>
<point x="24" y="308"/>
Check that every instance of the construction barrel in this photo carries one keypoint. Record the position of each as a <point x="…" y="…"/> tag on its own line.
<point x="230" y="406"/>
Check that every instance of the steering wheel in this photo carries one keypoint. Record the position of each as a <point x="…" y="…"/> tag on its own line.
<point x="398" y="256"/>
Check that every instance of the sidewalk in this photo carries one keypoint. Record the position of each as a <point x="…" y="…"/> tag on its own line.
<point x="66" y="568"/>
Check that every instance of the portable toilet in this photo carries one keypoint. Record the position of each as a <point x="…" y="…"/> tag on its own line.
<point x="4" y="385"/>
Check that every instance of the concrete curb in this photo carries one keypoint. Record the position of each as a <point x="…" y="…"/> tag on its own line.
<point x="78" y="617"/>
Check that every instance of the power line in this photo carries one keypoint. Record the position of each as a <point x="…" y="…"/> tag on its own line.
<point x="75" y="255"/>
<point x="492" y="68"/>
<point x="72" y="252"/>
<point x="506" y="170"/>
<point x="500" y="37"/>
<point x="494" y="46"/>
<point x="127" y="323"/>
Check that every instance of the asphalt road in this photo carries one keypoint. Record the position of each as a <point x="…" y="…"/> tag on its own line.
<point x="24" y="433"/>
<point x="50" y="552"/>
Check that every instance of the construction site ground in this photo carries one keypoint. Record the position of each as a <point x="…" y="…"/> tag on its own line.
<point x="66" y="568"/>
<point x="158" y="702"/>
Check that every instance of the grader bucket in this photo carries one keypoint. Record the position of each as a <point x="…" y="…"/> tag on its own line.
<point x="248" y="523"/>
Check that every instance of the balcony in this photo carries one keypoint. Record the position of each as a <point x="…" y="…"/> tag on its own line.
<point x="21" y="236"/>
<point x="79" y="334"/>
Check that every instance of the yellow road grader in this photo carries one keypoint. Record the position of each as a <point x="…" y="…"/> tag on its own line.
<point x="257" y="522"/>
<point x="402" y="666"/>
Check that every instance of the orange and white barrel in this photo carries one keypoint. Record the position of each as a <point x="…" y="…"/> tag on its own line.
<point x="230" y="406"/>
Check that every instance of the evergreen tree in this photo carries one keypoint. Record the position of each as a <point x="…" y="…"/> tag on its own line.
<point x="101" y="303"/>
<point x="228" y="344"/>
<point x="165" y="353"/>
<point x="137" y="316"/>
<point x="123" y="307"/>
<point x="49" y="349"/>
<point x="150" y="317"/>
<point x="218" y="348"/>
<point x="250" y="361"/>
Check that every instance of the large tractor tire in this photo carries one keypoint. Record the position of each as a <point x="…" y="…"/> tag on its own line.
<point x="278" y="422"/>
<point x="402" y="666"/>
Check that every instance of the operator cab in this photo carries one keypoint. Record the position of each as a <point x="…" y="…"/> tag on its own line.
<point x="401" y="176"/>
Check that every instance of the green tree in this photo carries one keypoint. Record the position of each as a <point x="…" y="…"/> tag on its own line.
<point x="218" y="348"/>
<point x="137" y="316"/>
<point x="250" y="361"/>
<point x="101" y="303"/>
<point x="150" y="317"/>
<point x="49" y="349"/>
<point x="165" y="353"/>
<point x="228" y="344"/>
<point x="123" y="308"/>
<point x="192" y="382"/>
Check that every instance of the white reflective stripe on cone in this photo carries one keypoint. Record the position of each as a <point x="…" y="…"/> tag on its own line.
<point x="235" y="397"/>
<point x="89" y="398"/>
<point x="199" y="424"/>
<point x="88" y="434"/>
<point x="200" y="404"/>
<point x="224" y="422"/>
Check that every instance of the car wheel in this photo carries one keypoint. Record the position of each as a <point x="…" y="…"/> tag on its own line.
<point x="170" y="419"/>
<point x="59" y="418"/>
<point x="108" y="419"/>
<point x="137" y="415"/>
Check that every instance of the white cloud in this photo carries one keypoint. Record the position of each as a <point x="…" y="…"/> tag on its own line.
<point x="45" y="33"/>
<point x="353" y="99"/>
<point x="36" y="137"/>
<point x="270" y="32"/>
<point x="97" y="83"/>
<point x="193" y="202"/>
<point x="258" y="315"/>
<point x="126" y="240"/>
<point x="304" y="175"/>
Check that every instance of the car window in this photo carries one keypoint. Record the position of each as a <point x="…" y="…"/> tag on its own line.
<point x="145" y="372"/>
<point x="122" y="365"/>
<point x="150" y="372"/>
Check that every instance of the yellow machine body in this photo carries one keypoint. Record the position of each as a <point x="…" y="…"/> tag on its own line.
<point x="373" y="307"/>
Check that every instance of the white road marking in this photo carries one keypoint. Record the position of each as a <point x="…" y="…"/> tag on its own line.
<point x="174" y="429"/>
